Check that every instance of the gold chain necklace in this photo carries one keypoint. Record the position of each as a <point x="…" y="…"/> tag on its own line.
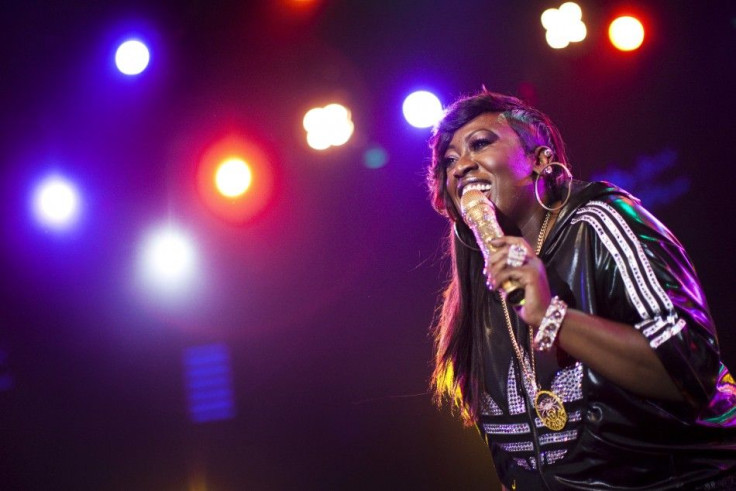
<point x="548" y="405"/>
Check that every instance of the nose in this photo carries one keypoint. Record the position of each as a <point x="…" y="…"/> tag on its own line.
<point x="463" y="165"/>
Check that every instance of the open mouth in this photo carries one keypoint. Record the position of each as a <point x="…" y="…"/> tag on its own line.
<point x="483" y="187"/>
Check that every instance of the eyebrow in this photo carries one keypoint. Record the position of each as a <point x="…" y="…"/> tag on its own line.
<point x="470" y="136"/>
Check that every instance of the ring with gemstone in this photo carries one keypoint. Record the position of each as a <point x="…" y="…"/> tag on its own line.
<point x="517" y="256"/>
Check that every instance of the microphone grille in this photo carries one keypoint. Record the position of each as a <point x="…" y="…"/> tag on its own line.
<point x="472" y="197"/>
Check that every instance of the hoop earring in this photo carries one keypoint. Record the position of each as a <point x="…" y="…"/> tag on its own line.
<point x="457" y="234"/>
<point x="569" y="186"/>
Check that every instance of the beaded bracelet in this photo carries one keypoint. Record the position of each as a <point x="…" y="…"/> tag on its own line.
<point x="550" y="326"/>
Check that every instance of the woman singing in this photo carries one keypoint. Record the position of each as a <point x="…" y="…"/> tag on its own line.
<point x="605" y="373"/>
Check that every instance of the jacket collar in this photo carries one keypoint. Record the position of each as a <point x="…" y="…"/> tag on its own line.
<point x="582" y="193"/>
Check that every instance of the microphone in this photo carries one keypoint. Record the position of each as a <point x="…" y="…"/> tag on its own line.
<point x="479" y="214"/>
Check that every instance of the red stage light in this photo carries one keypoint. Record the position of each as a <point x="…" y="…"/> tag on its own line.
<point x="247" y="162"/>
<point x="296" y="9"/>
<point x="300" y="4"/>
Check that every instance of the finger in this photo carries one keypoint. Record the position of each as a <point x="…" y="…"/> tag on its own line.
<point x="508" y="241"/>
<point x="529" y="273"/>
<point x="504" y="240"/>
<point x="513" y="256"/>
<point x="520" y="275"/>
<point x="524" y="277"/>
<point x="516" y="255"/>
<point x="498" y="256"/>
<point x="500" y="267"/>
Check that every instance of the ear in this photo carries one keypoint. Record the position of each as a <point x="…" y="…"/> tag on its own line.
<point x="542" y="157"/>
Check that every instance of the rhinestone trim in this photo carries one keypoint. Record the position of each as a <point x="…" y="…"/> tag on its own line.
<point x="489" y="407"/>
<point x="672" y="331"/>
<point x="515" y="399"/>
<point x="568" y="383"/>
<point x="558" y="437"/>
<point x="507" y="429"/>
<point x="620" y="247"/>
<point x="552" y="456"/>
<point x="517" y="446"/>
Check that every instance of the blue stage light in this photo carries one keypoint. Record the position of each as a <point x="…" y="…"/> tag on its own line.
<point x="209" y="383"/>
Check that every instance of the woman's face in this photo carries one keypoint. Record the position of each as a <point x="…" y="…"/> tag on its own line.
<point x="487" y="153"/>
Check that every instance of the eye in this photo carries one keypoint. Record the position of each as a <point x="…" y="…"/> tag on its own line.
<point x="448" y="161"/>
<point x="479" y="144"/>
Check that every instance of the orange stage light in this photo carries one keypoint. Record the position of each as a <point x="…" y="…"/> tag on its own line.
<point x="626" y="33"/>
<point x="235" y="179"/>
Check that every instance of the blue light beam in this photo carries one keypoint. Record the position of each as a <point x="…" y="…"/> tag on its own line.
<point x="209" y="383"/>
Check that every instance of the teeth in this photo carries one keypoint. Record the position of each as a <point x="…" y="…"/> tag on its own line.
<point x="480" y="186"/>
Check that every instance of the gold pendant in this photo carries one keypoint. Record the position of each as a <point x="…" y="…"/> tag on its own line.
<point x="550" y="410"/>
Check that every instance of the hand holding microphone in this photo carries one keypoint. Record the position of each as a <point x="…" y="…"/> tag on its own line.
<point x="479" y="214"/>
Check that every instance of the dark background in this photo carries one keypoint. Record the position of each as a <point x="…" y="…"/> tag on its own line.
<point x="324" y="300"/>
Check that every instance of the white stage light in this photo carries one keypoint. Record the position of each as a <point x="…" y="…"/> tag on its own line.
<point x="168" y="259"/>
<point x="132" y="57"/>
<point x="422" y="109"/>
<point x="564" y="25"/>
<point x="56" y="202"/>
<point x="329" y="126"/>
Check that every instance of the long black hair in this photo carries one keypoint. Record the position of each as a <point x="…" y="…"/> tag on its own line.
<point x="459" y="326"/>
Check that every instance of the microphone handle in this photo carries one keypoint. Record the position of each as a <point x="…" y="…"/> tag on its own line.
<point x="482" y="221"/>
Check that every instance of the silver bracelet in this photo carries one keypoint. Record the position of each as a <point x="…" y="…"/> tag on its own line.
<point x="550" y="326"/>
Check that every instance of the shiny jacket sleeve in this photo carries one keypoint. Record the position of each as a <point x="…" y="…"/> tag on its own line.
<point x="644" y="278"/>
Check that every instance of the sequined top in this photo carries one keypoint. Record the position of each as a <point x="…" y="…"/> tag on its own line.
<point x="606" y="255"/>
